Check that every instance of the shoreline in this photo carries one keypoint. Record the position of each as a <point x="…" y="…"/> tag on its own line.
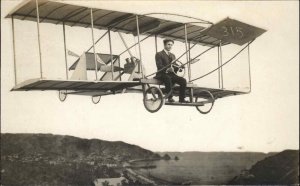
<point x="159" y="181"/>
<point x="138" y="160"/>
<point x="151" y="179"/>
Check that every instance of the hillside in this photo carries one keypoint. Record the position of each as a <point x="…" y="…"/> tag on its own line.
<point x="281" y="168"/>
<point x="47" y="159"/>
<point x="69" y="147"/>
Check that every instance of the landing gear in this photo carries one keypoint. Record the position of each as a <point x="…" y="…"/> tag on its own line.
<point x="153" y="99"/>
<point x="62" y="95"/>
<point x="96" y="99"/>
<point x="208" y="101"/>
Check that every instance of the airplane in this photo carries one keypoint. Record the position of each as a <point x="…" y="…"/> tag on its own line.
<point x="209" y="35"/>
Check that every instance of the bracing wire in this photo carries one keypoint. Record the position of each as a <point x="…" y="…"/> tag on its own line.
<point x="180" y="57"/>
<point x="173" y="14"/>
<point x="165" y="67"/>
<point x="223" y="63"/>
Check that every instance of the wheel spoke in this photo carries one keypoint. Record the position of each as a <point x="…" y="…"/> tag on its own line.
<point x="153" y="99"/>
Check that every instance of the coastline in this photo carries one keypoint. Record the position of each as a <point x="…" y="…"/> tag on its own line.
<point x="159" y="181"/>
<point x="144" y="178"/>
<point x="148" y="179"/>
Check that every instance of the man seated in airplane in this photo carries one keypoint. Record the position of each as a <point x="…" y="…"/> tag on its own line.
<point x="168" y="75"/>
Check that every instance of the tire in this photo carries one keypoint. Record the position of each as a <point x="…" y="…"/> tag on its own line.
<point x="209" y="99"/>
<point x="153" y="99"/>
<point x="62" y="95"/>
<point x="96" y="99"/>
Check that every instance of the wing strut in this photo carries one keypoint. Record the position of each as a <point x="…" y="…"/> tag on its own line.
<point x="94" y="50"/>
<point x="220" y="70"/>
<point x="14" y="48"/>
<point x="39" y="39"/>
<point x="65" y="48"/>
<point x="111" y="57"/>
<point x="187" y="52"/>
<point x="139" y="43"/>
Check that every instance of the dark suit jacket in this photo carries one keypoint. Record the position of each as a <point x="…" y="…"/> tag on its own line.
<point x="162" y="60"/>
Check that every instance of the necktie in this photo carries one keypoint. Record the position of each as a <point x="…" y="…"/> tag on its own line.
<point x="169" y="55"/>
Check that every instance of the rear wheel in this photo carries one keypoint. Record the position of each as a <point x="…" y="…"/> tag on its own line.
<point x="207" y="99"/>
<point x="62" y="95"/>
<point x="153" y="99"/>
<point x="96" y="99"/>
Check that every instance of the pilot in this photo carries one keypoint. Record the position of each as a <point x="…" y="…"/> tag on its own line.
<point x="167" y="75"/>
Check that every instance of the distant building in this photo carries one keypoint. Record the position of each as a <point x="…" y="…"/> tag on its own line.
<point x="111" y="165"/>
<point x="52" y="162"/>
<point x="125" y="164"/>
<point x="244" y="172"/>
<point x="91" y="163"/>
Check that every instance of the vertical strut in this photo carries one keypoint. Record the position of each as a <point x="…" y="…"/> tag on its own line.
<point x="191" y="89"/>
<point x="65" y="48"/>
<point x="94" y="50"/>
<point x="111" y="57"/>
<point x="155" y="43"/>
<point x="189" y="46"/>
<point x="14" y="48"/>
<point x="187" y="53"/>
<point x="140" y="69"/>
<point x="219" y="72"/>
<point x="39" y="40"/>
<point x="249" y="66"/>
<point x="221" y="63"/>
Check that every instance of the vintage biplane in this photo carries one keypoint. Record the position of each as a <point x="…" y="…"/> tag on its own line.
<point x="225" y="32"/>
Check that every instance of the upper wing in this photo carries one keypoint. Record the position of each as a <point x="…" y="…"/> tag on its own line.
<point x="75" y="15"/>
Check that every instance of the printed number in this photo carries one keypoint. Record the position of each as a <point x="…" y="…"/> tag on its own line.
<point x="225" y="30"/>
<point x="233" y="31"/>
<point x="239" y="30"/>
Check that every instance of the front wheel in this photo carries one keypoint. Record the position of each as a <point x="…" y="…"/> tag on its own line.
<point x="153" y="99"/>
<point x="208" y="101"/>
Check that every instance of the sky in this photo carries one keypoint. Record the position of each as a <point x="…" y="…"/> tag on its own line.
<point x="265" y="120"/>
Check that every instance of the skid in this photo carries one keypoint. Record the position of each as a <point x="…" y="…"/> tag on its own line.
<point x="184" y="104"/>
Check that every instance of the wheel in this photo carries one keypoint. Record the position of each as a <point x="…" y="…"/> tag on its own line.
<point x="207" y="99"/>
<point x="62" y="95"/>
<point x="179" y="69"/>
<point x="96" y="99"/>
<point x="153" y="99"/>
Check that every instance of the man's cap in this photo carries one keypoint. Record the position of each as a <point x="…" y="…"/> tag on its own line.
<point x="168" y="40"/>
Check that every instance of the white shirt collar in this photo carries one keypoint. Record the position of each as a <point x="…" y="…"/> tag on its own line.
<point x="168" y="53"/>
